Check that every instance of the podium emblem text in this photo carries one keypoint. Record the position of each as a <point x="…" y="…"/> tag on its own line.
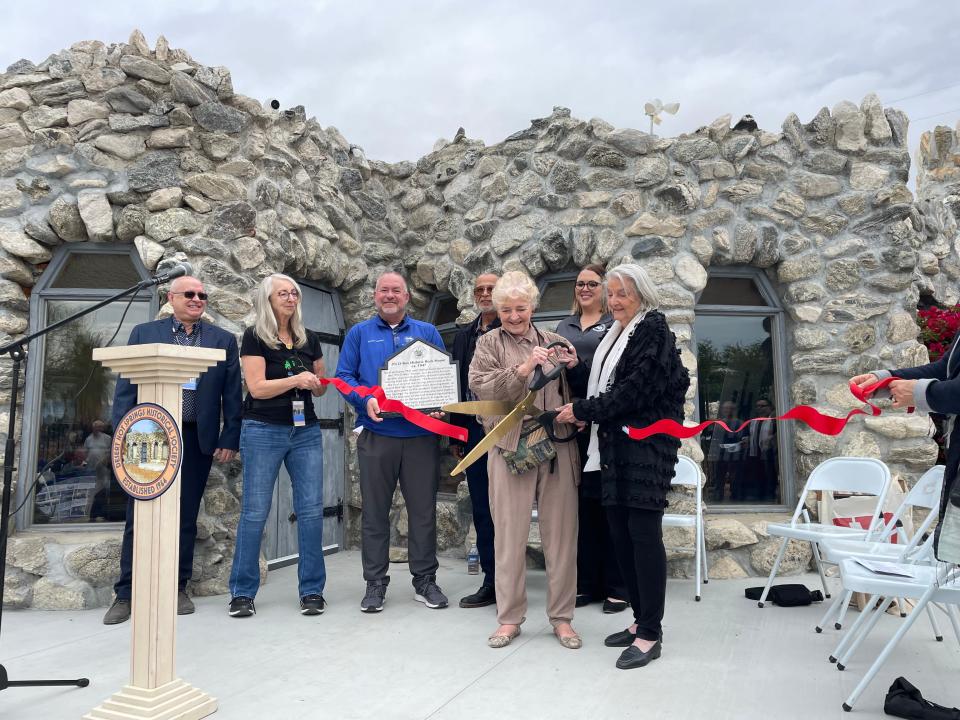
<point x="146" y="451"/>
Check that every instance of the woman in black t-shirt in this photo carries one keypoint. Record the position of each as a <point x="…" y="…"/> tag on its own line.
<point x="282" y="363"/>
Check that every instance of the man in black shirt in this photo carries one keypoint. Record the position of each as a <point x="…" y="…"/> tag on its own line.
<point x="464" y="345"/>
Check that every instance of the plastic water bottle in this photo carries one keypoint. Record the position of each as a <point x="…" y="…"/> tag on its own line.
<point x="473" y="561"/>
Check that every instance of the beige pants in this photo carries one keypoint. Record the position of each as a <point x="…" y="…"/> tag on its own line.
<point x="511" y="504"/>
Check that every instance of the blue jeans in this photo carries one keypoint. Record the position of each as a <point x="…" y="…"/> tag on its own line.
<point x="263" y="447"/>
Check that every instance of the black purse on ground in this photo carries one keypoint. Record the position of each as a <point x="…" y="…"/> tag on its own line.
<point x="905" y="701"/>
<point x="787" y="595"/>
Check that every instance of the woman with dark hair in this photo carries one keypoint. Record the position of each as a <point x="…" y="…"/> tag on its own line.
<point x="598" y="577"/>
<point x="636" y="379"/>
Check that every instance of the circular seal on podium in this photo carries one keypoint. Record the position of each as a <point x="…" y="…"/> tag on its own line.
<point x="146" y="452"/>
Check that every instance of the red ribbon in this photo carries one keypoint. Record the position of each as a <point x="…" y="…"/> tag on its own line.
<point x="813" y="418"/>
<point x="387" y="405"/>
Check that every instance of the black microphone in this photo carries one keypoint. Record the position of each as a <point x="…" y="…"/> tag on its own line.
<point x="178" y="270"/>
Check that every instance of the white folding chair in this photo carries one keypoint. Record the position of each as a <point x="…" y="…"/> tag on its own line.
<point x="865" y="476"/>
<point x="922" y="556"/>
<point x="925" y="494"/>
<point x="932" y="583"/>
<point x="687" y="473"/>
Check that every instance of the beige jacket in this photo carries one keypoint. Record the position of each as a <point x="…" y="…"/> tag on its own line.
<point x="493" y="376"/>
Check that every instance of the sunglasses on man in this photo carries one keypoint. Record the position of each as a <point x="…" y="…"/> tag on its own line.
<point x="191" y="294"/>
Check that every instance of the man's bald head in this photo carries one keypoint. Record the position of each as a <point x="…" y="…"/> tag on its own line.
<point x="187" y="310"/>
<point x="184" y="283"/>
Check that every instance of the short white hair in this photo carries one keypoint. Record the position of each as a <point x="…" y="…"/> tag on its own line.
<point x="382" y="275"/>
<point x="515" y="284"/>
<point x="636" y="280"/>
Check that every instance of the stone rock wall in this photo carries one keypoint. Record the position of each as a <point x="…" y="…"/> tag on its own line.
<point x="127" y="144"/>
<point x="938" y="200"/>
<point x="822" y="207"/>
<point x="131" y="144"/>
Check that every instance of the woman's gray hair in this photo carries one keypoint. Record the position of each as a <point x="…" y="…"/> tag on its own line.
<point x="266" y="322"/>
<point x="636" y="280"/>
<point x="515" y="284"/>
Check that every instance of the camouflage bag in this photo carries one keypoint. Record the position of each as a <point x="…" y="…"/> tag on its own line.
<point x="534" y="447"/>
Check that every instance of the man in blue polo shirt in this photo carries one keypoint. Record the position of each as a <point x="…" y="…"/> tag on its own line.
<point x="392" y="448"/>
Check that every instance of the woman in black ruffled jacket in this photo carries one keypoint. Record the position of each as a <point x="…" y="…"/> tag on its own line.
<point x="636" y="379"/>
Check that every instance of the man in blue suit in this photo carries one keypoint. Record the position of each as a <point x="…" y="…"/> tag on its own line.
<point x="214" y="395"/>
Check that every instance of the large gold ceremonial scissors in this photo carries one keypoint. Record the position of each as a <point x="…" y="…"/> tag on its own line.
<point x="514" y="413"/>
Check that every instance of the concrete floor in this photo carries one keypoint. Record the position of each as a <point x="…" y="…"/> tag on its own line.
<point x="723" y="658"/>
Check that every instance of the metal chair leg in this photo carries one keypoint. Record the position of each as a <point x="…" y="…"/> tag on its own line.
<point x="877" y="612"/>
<point x="697" y="557"/>
<point x="937" y="634"/>
<point x="888" y="648"/>
<point x="851" y="634"/>
<point x="819" y="564"/>
<point x="773" y="573"/>
<point x="831" y="612"/>
<point x="844" y="606"/>
<point x="703" y="553"/>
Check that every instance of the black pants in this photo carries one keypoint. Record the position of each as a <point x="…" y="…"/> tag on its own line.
<point x="415" y="461"/>
<point x="638" y="542"/>
<point x="194" y="471"/>
<point x="598" y="573"/>
<point x="479" y="483"/>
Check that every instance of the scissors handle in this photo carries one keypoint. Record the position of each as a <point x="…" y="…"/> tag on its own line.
<point x="541" y="378"/>
<point x="546" y="420"/>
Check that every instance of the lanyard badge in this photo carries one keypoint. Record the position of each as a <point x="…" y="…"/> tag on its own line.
<point x="299" y="419"/>
<point x="293" y="365"/>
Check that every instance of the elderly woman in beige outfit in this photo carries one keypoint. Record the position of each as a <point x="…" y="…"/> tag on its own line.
<point x="502" y="368"/>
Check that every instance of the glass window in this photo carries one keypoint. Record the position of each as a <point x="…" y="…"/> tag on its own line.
<point x="556" y="299"/>
<point x="732" y="291"/>
<point x="557" y="296"/>
<point x="69" y="397"/>
<point x="735" y="363"/>
<point x="443" y="314"/>
<point x="447" y="311"/>
<point x="97" y="271"/>
<point x="73" y="432"/>
<point x="738" y="335"/>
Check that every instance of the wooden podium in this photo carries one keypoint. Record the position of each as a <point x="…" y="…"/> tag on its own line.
<point x="155" y="692"/>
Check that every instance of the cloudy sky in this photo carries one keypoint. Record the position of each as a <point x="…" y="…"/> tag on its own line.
<point x="396" y="76"/>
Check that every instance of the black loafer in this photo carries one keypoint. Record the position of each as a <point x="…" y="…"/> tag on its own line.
<point x="634" y="657"/>
<point x="583" y="600"/>
<point x="614" y="606"/>
<point x="623" y="639"/>
<point x="486" y="595"/>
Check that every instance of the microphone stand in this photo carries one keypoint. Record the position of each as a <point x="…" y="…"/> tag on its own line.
<point x="17" y="350"/>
